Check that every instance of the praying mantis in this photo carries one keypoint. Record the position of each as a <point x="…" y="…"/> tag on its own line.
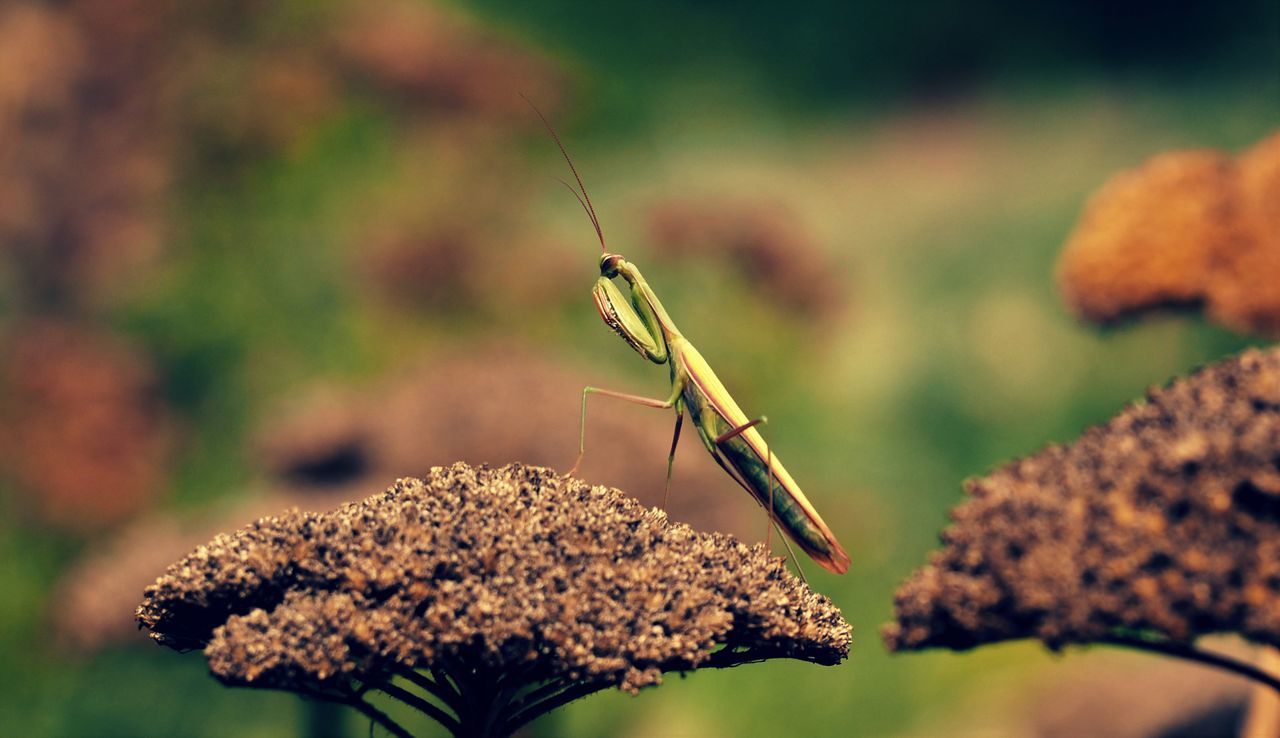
<point x="731" y="439"/>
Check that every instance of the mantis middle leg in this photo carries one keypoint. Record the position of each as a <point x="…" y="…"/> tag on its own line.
<point x="636" y="399"/>
<point x="671" y="457"/>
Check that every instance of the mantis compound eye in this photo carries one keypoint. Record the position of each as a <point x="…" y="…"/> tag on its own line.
<point x="609" y="264"/>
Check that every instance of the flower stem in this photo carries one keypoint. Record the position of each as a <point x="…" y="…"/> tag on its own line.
<point x="441" y="690"/>
<point x="416" y="702"/>
<point x="379" y="717"/>
<point x="1191" y="653"/>
<point x="529" y="712"/>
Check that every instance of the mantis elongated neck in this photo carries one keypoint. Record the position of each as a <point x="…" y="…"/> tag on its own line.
<point x="640" y="288"/>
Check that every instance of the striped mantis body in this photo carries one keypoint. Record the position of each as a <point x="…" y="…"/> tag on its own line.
<point x="732" y="440"/>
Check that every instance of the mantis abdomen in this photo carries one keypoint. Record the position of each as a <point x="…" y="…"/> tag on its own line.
<point x="749" y="459"/>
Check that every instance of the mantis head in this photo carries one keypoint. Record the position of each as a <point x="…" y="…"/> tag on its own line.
<point x="621" y="317"/>
<point x="610" y="264"/>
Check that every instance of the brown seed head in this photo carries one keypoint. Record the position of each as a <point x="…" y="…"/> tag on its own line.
<point x="84" y="434"/>
<point x="1187" y="228"/>
<point x="763" y="240"/>
<point x="1164" y="520"/>
<point x="512" y="571"/>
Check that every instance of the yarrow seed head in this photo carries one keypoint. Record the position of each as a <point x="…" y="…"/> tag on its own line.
<point x="482" y="577"/>
<point x="1165" y="520"/>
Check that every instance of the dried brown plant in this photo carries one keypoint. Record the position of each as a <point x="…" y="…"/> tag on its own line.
<point x="86" y="143"/>
<point x="1151" y="530"/>
<point x="436" y="57"/>
<point x="248" y="105"/>
<point x="91" y="606"/>
<point x="93" y="98"/>
<point x="762" y="239"/>
<point x="484" y="598"/>
<point x="94" y="95"/>
<point x="434" y="68"/>
<point x="1187" y="228"/>
<point x="84" y="432"/>
<point x="463" y="269"/>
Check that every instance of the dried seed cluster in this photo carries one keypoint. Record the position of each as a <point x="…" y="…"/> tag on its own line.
<point x="80" y="403"/>
<point x="1187" y="228"/>
<point x="86" y="117"/>
<point x="512" y="571"/>
<point x="761" y="238"/>
<point x="1164" y="520"/>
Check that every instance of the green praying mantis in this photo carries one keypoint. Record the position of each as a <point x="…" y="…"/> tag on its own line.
<point x="732" y="440"/>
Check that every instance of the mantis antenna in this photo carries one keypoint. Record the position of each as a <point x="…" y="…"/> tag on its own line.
<point x="584" y="199"/>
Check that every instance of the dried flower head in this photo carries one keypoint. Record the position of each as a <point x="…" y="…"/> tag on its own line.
<point x="498" y="593"/>
<point x="763" y="239"/>
<point x="78" y="404"/>
<point x="82" y="112"/>
<point x="1163" y="522"/>
<point x="91" y="606"/>
<point x="432" y="55"/>
<point x="1188" y="228"/>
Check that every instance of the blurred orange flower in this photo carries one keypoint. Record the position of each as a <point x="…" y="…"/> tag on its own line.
<point x="1188" y="228"/>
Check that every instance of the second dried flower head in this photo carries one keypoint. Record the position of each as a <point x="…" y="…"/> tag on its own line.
<point x="1162" y="523"/>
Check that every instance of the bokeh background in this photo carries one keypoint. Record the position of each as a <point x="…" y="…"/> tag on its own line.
<point x="256" y="255"/>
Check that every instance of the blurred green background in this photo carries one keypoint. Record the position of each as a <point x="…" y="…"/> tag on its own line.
<point x="237" y="235"/>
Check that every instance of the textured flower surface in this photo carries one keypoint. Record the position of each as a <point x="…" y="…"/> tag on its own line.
<point x="1187" y="228"/>
<point x="1164" y="521"/>
<point x="513" y="589"/>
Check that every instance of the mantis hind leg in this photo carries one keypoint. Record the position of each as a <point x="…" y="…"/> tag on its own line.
<point x="636" y="399"/>
<point x="770" y="523"/>
<point x="791" y="552"/>
<point x="735" y="432"/>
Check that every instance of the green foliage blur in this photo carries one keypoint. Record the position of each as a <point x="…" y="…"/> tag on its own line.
<point x="935" y="156"/>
